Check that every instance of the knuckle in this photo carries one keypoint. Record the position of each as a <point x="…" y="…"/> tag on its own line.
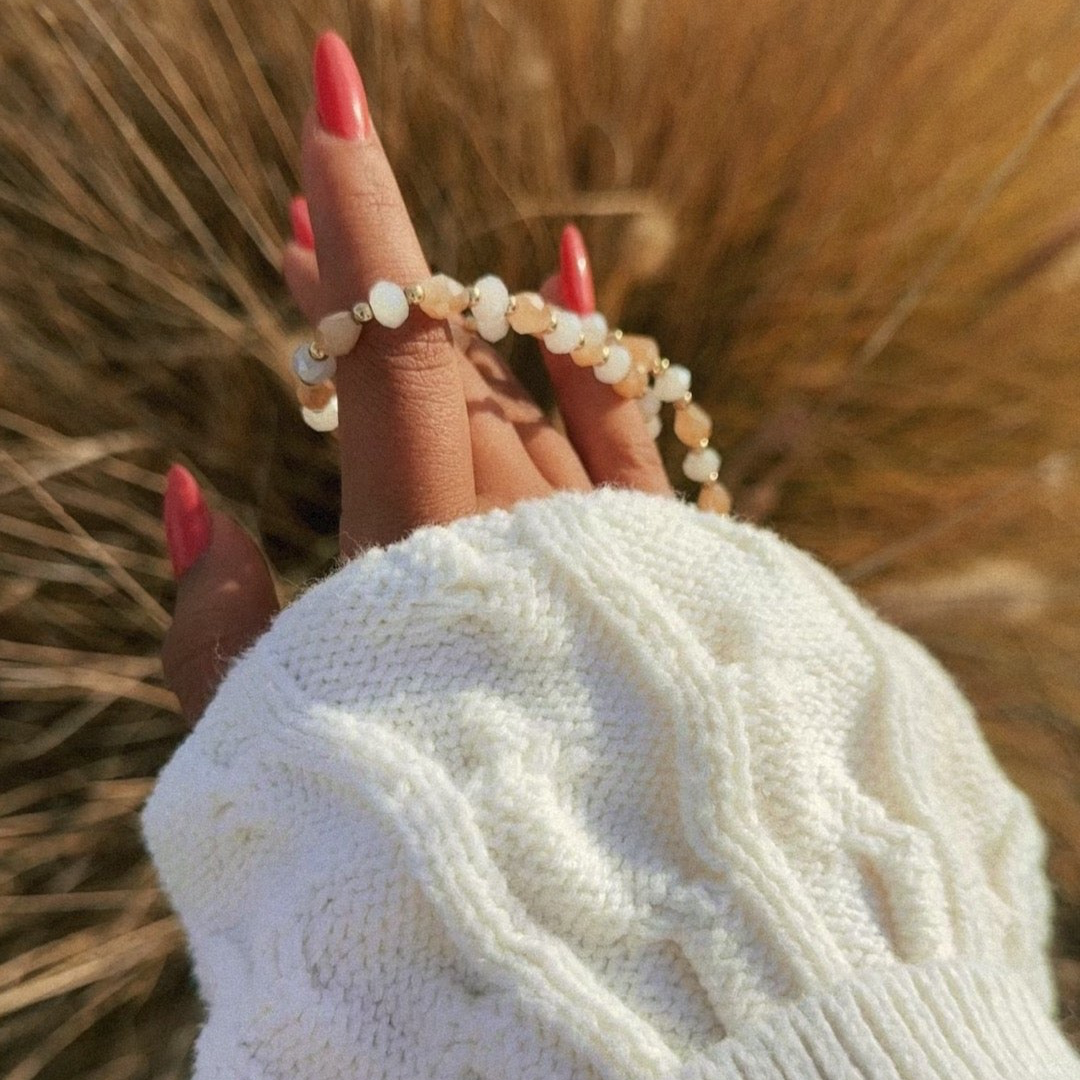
<point x="371" y="202"/>
<point x="421" y="350"/>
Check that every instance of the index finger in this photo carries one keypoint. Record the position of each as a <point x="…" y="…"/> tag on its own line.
<point x="406" y="456"/>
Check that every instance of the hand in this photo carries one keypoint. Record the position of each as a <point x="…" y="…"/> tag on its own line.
<point x="430" y="430"/>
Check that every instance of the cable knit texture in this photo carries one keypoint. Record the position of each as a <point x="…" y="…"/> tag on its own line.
<point x="602" y="788"/>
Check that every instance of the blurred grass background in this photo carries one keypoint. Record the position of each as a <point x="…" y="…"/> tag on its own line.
<point x="858" y="224"/>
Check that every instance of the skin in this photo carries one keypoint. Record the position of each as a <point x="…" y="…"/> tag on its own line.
<point x="431" y="429"/>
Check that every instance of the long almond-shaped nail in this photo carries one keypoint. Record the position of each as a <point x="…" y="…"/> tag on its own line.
<point x="339" y="90"/>
<point x="187" y="520"/>
<point x="300" y="219"/>
<point x="575" y="272"/>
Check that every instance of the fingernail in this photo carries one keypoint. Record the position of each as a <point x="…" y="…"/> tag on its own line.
<point x="575" y="272"/>
<point x="339" y="90"/>
<point x="187" y="520"/>
<point x="300" y="218"/>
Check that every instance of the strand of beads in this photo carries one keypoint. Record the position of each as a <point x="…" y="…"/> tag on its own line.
<point x="631" y="364"/>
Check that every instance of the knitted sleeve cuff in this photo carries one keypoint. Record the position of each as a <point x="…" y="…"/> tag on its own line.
<point x="602" y="787"/>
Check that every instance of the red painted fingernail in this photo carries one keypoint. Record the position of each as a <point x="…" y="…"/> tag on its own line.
<point x="339" y="90"/>
<point x="575" y="272"/>
<point x="187" y="520"/>
<point x="300" y="218"/>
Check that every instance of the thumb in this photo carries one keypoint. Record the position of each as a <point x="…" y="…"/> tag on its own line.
<point x="225" y="597"/>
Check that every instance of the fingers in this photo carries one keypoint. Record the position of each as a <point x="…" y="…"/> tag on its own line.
<point x="512" y="442"/>
<point x="607" y="431"/>
<point x="301" y="273"/>
<point x="225" y="596"/>
<point x="405" y="446"/>
<point x="504" y="470"/>
<point x="493" y="388"/>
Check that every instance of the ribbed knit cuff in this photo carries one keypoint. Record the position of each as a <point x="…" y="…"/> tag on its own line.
<point x="945" y="1022"/>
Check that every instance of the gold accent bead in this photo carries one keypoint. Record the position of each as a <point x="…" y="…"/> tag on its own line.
<point x="362" y="312"/>
<point x="617" y="335"/>
<point x="664" y="364"/>
<point x="554" y="325"/>
<point x="683" y="402"/>
<point x="316" y="353"/>
<point x="414" y="294"/>
<point x="474" y="295"/>
<point x="511" y="305"/>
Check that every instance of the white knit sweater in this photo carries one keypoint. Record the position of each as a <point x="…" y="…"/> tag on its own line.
<point x="602" y="788"/>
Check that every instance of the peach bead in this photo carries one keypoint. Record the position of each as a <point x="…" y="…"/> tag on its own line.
<point x="315" y="397"/>
<point x="633" y="385"/>
<point x="715" y="498"/>
<point x="589" y="355"/>
<point x="435" y="301"/>
<point x="443" y="297"/>
<point x="531" y="314"/>
<point x="693" y="425"/>
<point x="643" y="351"/>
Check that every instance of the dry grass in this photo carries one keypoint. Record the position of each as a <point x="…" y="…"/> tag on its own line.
<point x="856" y="223"/>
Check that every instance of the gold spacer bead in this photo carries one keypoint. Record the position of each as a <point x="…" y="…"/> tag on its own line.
<point x="511" y="306"/>
<point x="580" y="341"/>
<point x="713" y="477"/>
<point x="316" y="353"/>
<point x="414" y="294"/>
<point x="683" y="401"/>
<point x="362" y="313"/>
<point x="606" y="354"/>
<point x="617" y="335"/>
<point x="702" y="444"/>
<point x="554" y="321"/>
<point x="474" y="296"/>
<point x="664" y="364"/>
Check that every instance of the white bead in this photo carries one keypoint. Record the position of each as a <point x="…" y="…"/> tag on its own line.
<point x="494" y="296"/>
<point x="595" y="328"/>
<point x="338" y="333"/>
<point x="649" y="403"/>
<point x="701" y="465"/>
<point x="653" y="425"/>
<point x="566" y="335"/>
<point x="493" y="329"/>
<point x="673" y="383"/>
<point x="311" y="371"/>
<point x="389" y="304"/>
<point x="615" y="368"/>
<point x="325" y="419"/>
